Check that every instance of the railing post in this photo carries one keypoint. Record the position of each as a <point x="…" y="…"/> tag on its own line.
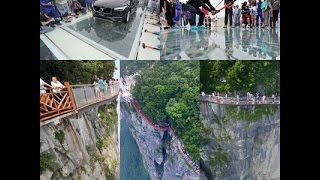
<point x="69" y="90"/>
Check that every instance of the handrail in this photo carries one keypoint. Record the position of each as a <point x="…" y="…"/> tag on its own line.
<point x="241" y="100"/>
<point x="54" y="104"/>
<point x="73" y="98"/>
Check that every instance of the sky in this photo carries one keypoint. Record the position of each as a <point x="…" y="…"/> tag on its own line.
<point x="216" y="2"/>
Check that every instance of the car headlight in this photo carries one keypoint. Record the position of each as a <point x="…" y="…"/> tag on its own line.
<point x="120" y="8"/>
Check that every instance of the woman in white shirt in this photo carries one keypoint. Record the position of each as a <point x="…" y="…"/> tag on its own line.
<point x="56" y="85"/>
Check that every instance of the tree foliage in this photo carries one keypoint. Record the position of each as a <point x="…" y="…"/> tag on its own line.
<point x="240" y="76"/>
<point x="169" y="92"/>
<point x="76" y="72"/>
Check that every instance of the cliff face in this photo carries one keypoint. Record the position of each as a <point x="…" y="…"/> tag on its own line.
<point x="161" y="158"/>
<point x="242" y="142"/>
<point x="81" y="148"/>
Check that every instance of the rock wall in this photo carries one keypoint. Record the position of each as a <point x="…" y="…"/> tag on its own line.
<point x="242" y="142"/>
<point x="76" y="148"/>
<point x="161" y="159"/>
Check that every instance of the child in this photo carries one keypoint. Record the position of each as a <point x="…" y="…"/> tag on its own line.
<point x="245" y="11"/>
<point x="206" y="17"/>
<point x="215" y="20"/>
<point x="237" y="14"/>
<point x="253" y="13"/>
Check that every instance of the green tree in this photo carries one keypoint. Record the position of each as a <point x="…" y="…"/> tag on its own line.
<point x="76" y="72"/>
<point x="240" y="76"/>
<point x="169" y="91"/>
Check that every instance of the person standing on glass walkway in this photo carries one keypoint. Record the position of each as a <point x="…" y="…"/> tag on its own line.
<point x="228" y="13"/>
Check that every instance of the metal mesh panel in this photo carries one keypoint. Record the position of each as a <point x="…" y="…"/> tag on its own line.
<point x="241" y="100"/>
<point x="89" y="94"/>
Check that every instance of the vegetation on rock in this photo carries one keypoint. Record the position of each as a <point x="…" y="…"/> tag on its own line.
<point x="168" y="91"/>
<point x="46" y="162"/>
<point x="59" y="135"/>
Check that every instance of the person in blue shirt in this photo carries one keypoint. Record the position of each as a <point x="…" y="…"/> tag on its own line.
<point x="176" y="18"/>
<point x="101" y="87"/>
<point x="259" y="13"/>
<point x="47" y="7"/>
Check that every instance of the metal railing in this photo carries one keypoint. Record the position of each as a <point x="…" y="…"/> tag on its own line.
<point x="73" y="98"/>
<point x="240" y="100"/>
<point x="87" y="94"/>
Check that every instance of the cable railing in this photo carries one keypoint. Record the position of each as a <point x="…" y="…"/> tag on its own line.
<point x="240" y="100"/>
<point x="73" y="98"/>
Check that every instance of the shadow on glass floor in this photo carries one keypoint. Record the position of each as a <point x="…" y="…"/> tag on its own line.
<point x="116" y="36"/>
<point x="221" y="44"/>
<point x="45" y="53"/>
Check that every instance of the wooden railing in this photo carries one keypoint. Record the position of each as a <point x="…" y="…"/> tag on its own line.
<point x="54" y="104"/>
<point x="73" y="98"/>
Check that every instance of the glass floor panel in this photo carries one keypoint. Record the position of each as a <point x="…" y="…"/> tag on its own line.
<point x="221" y="44"/>
<point x="45" y="53"/>
<point x="116" y="36"/>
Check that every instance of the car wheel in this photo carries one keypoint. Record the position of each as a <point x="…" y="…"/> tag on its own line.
<point x="126" y="17"/>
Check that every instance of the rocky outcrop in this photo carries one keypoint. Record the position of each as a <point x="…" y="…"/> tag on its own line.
<point x="72" y="148"/>
<point x="161" y="158"/>
<point x="160" y="153"/>
<point x="241" y="142"/>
